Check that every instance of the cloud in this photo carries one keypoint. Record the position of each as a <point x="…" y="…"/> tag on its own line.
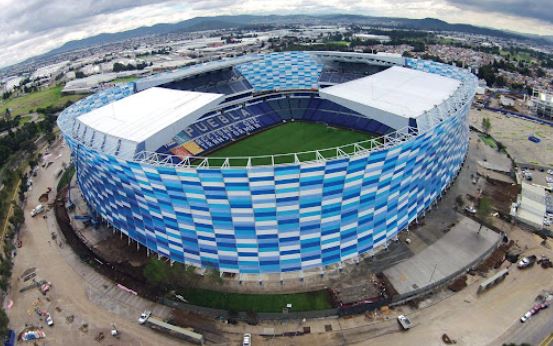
<point x="31" y="27"/>
<point x="534" y="9"/>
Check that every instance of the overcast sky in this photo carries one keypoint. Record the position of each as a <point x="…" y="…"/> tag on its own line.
<point x="31" y="27"/>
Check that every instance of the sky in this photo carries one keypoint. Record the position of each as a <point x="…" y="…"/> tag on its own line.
<point x="32" y="27"/>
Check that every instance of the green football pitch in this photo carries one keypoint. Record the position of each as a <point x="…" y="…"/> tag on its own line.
<point x="290" y="137"/>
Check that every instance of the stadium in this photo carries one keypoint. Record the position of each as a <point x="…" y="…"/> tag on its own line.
<point x="272" y="163"/>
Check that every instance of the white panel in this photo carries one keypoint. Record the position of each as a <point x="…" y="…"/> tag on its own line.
<point x="151" y="116"/>
<point x="393" y="95"/>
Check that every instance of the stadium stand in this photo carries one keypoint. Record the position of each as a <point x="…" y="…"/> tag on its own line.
<point x="337" y="72"/>
<point x="218" y="129"/>
<point x="226" y="81"/>
<point x="279" y="71"/>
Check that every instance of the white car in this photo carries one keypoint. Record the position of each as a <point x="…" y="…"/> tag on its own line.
<point x="247" y="340"/>
<point x="144" y="316"/>
<point x="49" y="320"/>
<point x="470" y="210"/>
<point x="550" y="171"/>
<point x="526" y="316"/>
<point x="405" y="322"/>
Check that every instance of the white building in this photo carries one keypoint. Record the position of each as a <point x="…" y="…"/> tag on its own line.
<point x="50" y="70"/>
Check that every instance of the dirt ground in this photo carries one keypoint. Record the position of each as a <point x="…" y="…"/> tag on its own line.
<point x="467" y="317"/>
<point x="513" y="133"/>
<point x="87" y="297"/>
<point x="72" y="302"/>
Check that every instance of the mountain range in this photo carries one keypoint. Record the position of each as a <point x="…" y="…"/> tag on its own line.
<point x="252" y="21"/>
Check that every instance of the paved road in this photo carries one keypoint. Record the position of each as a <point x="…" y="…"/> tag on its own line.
<point x="536" y="329"/>
<point x="76" y="291"/>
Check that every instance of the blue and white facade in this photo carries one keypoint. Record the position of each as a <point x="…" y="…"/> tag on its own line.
<point x="273" y="218"/>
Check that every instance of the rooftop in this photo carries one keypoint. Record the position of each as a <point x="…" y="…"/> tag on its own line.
<point x="139" y="117"/>
<point x="393" y="95"/>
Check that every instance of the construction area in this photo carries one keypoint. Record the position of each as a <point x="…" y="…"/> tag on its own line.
<point x="464" y="245"/>
<point x="51" y="281"/>
<point x="513" y="133"/>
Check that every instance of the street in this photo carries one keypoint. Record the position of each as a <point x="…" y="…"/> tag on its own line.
<point x="78" y="318"/>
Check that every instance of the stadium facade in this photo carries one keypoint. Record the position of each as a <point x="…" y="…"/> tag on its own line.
<point x="139" y="150"/>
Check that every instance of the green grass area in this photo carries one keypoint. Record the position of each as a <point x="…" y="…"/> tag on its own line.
<point x="66" y="177"/>
<point x="338" y="43"/>
<point x="518" y="55"/>
<point x="318" y="300"/>
<point x="289" y="138"/>
<point x="489" y="141"/>
<point x="446" y="41"/>
<point x="27" y="118"/>
<point x="28" y="103"/>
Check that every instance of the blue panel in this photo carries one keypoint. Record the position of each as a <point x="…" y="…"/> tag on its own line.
<point x="272" y="219"/>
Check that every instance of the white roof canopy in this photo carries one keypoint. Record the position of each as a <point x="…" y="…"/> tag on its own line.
<point x="393" y="96"/>
<point x="146" y="120"/>
<point x="532" y="204"/>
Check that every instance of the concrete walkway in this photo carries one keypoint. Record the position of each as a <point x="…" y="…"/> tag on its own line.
<point x="457" y="249"/>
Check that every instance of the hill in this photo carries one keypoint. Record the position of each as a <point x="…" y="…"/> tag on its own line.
<point x="253" y="21"/>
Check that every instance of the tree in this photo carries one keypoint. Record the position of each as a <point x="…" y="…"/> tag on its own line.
<point x="484" y="209"/>
<point x="459" y="201"/>
<point x="487" y="72"/>
<point x="18" y="216"/>
<point x="183" y="275"/>
<point x="418" y="47"/>
<point x="486" y="125"/>
<point x="6" y="266"/>
<point x="156" y="272"/>
<point x="4" y="321"/>
<point x="214" y="276"/>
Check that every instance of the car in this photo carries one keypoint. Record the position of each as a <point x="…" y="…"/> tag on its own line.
<point x="526" y="316"/>
<point x="539" y="307"/>
<point x="144" y="316"/>
<point x="549" y="179"/>
<point x="247" y="339"/>
<point x="405" y="322"/>
<point x="470" y="210"/>
<point x="49" y="320"/>
<point x="114" y="331"/>
<point x="550" y="171"/>
<point x="526" y="262"/>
